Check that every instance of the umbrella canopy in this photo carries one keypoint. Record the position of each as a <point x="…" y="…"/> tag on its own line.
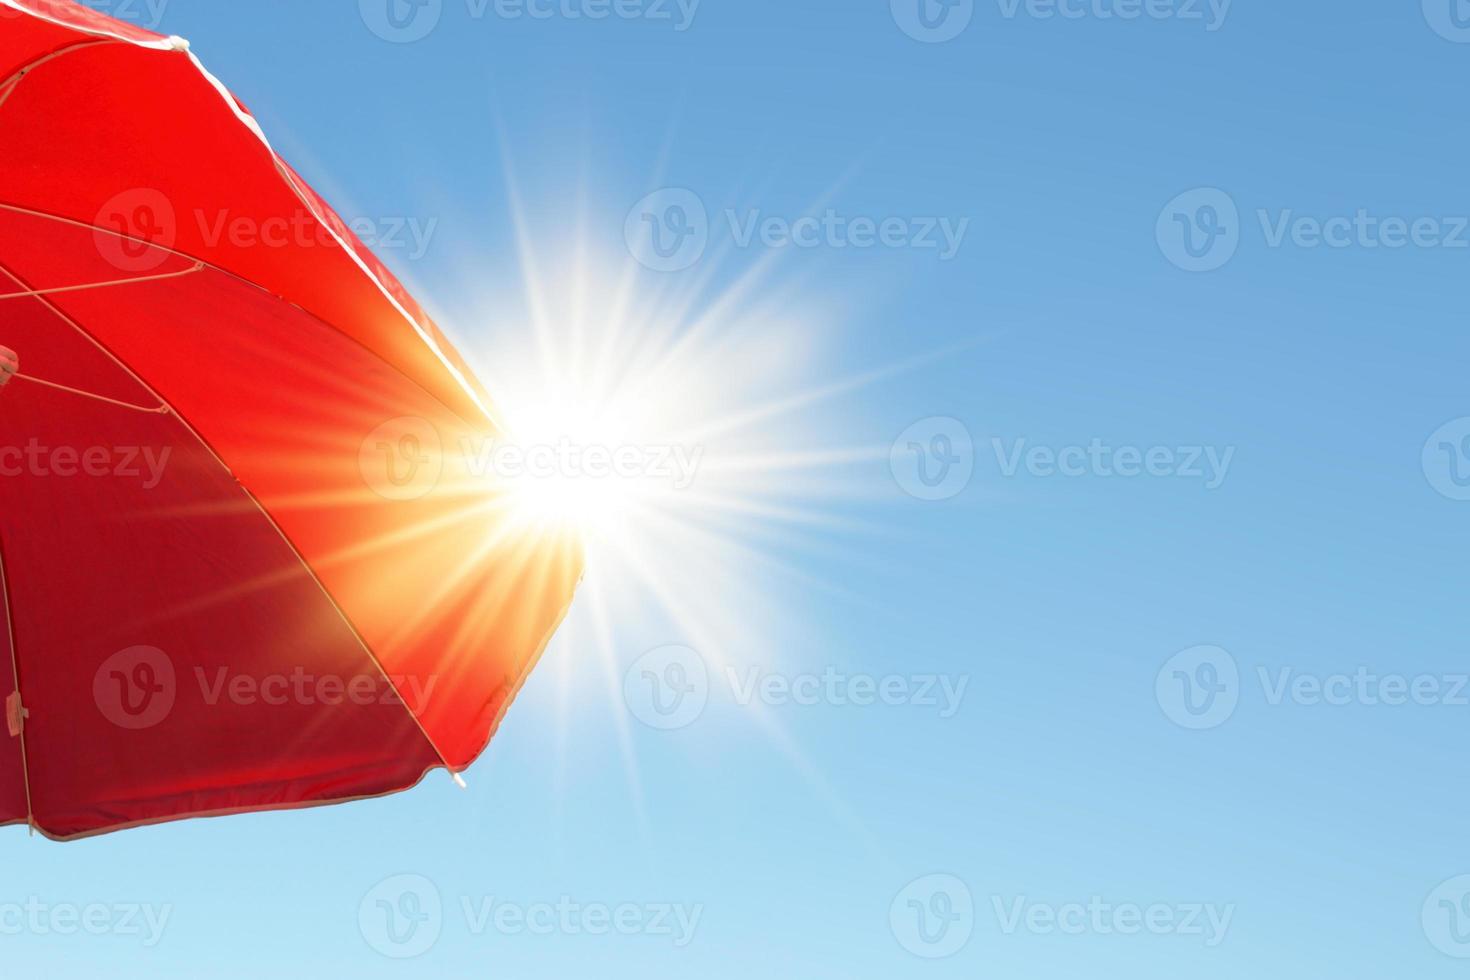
<point x="247" y="558"/>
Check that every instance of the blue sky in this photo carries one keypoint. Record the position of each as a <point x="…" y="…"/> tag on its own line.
<point x="1167" y="312"/>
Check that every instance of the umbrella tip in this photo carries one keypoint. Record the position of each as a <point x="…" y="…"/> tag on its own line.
<point x="177" y="43"/>
<point x="459" y="781"/>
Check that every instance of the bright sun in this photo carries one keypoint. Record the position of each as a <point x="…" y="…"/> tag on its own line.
<point x="645" y="424"/>
<point x="684" y="439"/>
<point x="572" y="465"/>
<point x="681" y="442"/>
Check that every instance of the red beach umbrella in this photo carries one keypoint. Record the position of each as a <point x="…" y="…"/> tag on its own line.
<point x="246" y="561"/>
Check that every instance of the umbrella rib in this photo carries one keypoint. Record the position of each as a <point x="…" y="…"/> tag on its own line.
<point x="53" y="290"/>
<point x="25" y="768"/>
<point x="8" y="87"/>
<point x="160" y="410"/>
<point x="178" y="44"/>
<point x="269" y="518"/>
<point x="48" y="216"/>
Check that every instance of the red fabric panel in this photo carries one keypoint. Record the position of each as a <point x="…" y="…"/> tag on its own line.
<point x="299" y="373"/>
<point x="23" y="39"/>
<point x="321" y="208"/>
<point x="78" y="16"/>
<point x="164" y="158"/>
<point x="161" y="622"/>
<point x="441" y="585"/>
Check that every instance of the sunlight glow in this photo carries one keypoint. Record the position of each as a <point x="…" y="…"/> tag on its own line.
<point x="577" y="461"/>
<point x="690" y="441"/>
<point x="664" y="438"/>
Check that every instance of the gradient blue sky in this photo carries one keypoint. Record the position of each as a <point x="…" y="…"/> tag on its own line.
<point x="1333" y="542"/>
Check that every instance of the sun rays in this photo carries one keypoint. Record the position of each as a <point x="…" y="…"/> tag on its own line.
<point x="721" y="407"/>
